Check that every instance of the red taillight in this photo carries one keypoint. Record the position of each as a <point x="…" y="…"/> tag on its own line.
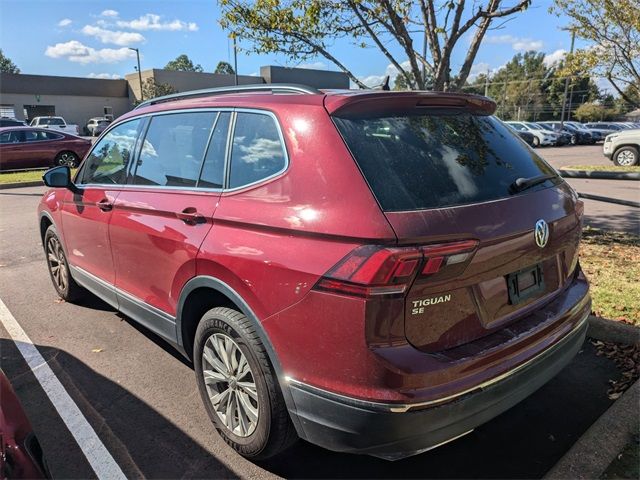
<point x="372" y="270"/>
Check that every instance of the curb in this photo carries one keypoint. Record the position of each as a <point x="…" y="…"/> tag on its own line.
<point x="35" y="183"/>
<point x="599" y="198"/>
<point x="594" y="451"/>
<point x="612" y="331"/>
<point x="602" y="175"/>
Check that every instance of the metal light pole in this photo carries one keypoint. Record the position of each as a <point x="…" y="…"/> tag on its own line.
<point x="235" y="62"/>
<point x="566" y="82"/>
<point x="139" y="71"/>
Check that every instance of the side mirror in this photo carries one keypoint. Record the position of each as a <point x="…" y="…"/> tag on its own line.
<point x="59" y="177"/>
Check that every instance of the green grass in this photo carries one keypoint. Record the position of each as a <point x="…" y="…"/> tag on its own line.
<point x="19" y="177"/>
<point x="602" y="168"/>
<point x="610" y="261"/>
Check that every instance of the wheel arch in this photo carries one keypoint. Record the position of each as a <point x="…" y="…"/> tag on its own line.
<point x="187" y="320"/>
<point x="45" y="222"/>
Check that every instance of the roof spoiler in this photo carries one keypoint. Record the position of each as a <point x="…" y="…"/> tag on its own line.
<point x="372" y="102"/>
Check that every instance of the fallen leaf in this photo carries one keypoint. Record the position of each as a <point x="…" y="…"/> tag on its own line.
<point x="97" y="350"/>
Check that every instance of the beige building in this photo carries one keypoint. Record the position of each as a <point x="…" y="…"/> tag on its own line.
<point x="79" y="99"/>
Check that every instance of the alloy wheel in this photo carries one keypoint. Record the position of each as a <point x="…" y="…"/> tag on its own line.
<point x="57" y="263"/>
<point x="626" y="158"/>
<point x="230" y="384"/>
<point x="67" y="159"/>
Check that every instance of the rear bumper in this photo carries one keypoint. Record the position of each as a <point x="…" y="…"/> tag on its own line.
<point x="345" y="424"/>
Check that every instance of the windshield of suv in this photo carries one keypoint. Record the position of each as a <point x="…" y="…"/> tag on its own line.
<point x="415" y="162"/>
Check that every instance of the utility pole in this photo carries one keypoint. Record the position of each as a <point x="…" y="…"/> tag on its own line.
<point x="139" y="71"/>
<point x="486" y="84"/>
<point x="235" y="62"/>
<point x="504" y="96"/>
<point x="566" y="82"/>
<point x="424" y="56"/>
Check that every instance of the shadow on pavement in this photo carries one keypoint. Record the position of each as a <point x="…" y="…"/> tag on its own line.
<point x="609" y="216"/>
<point x="143" y="442"/>
<point x="524" y="442"/>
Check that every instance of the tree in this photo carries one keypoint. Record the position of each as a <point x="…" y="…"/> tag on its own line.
<point x="304" y="29"/>
<point x="6" y="65"/>
<point x="183" y="63"/>
<point x="224" y="68"/>
<point x="151" y="89"/>
<point x="592" y="112"/>
<point x="613" y="28"/>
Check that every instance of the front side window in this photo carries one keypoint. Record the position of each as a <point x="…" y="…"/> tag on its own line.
<point x="173" y="149"/>
<point x="257" y="151"/>
<point x="107" y="162"/>
<point x="12" y="137"/>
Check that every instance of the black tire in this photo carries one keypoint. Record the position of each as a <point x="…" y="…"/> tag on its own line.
<point x="59" y="271"/>
<point x="628" y="155"/>
<point x="67" y="158"/>
<point x="536" y="142"/>
<point x="274" y="432"/>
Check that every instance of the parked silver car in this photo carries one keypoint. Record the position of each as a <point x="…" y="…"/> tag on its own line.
<point x="95" y="126"/>
<point x="623" y="147"/>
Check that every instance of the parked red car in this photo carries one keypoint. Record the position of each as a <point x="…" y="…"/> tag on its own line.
<point x="375" y="272"/>
<point x="20" y="453"/>
<point x="27" y="147"/>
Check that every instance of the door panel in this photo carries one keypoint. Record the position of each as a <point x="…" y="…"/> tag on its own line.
<point x="155" y="237"/>
<point x="85" y="222"/>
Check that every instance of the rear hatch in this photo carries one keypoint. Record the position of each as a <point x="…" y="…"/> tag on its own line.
<point x="462" y="186"/>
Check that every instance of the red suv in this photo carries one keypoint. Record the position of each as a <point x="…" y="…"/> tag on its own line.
<point x="374" y="272"/>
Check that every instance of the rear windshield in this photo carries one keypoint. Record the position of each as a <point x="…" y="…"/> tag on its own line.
<point x="416" y="162"/>
<point x="51" y="121"/>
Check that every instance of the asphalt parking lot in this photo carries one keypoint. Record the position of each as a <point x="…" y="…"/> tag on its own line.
<point x="141" y="399"/>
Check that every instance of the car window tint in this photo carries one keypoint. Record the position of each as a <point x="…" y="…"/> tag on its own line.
<point x="257" y="150"/>
<point x="212" y="175"/>
<point x="11" y="137"/>
<point x="419" y="161"/>
<point x="52" y="136"/>
<point x="173" y="149"/>
<point x="35" y="135"/>
<point x="108" y="160"/>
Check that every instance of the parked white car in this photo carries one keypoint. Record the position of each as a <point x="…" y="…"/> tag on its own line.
<point x="541" y="136"/>
<point x="623" y="147"/>
<point x="55" y="123"/>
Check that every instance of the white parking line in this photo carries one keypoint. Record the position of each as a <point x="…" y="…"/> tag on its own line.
<point x="97" y="454"/>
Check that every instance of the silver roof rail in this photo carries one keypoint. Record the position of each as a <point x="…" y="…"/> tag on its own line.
<point x="258" y="87"/>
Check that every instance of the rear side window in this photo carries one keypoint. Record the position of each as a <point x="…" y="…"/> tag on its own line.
<point x="418" y="162"/>
<point x="107" y="162"/>
<point x="213" y="169"/>
<point x="257" y="151"/>
<point x="173" y="149"/>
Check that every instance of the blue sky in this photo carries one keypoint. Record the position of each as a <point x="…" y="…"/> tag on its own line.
<point x="89" y="38"/>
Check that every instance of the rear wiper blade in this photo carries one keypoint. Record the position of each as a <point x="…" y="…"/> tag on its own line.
<point x="521" y="184"/>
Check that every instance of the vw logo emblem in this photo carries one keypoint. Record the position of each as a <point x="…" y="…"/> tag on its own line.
<point x="541" y="233"/>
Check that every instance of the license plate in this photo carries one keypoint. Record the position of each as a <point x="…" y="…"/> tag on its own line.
<point x="525" y="284"/>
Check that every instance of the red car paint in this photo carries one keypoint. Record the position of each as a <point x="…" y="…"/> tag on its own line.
<point x="18" y="153"/>
<point x="279" y="243"/>
<point x="20" y="453"/>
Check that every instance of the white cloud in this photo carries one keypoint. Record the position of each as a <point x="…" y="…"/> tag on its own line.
<point x="77" y="52"/>
<point x="115" y="37"/>
<point x="517" y="43"/>
<point x="553" y="58"/>
<point x="111" y="76"/>
<point x="477" y="69"/>
<point x="109" y="13"/>
<point x="65" y="22"/>
<point x="314" y="66"/>
<point x="151" y="21"/>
